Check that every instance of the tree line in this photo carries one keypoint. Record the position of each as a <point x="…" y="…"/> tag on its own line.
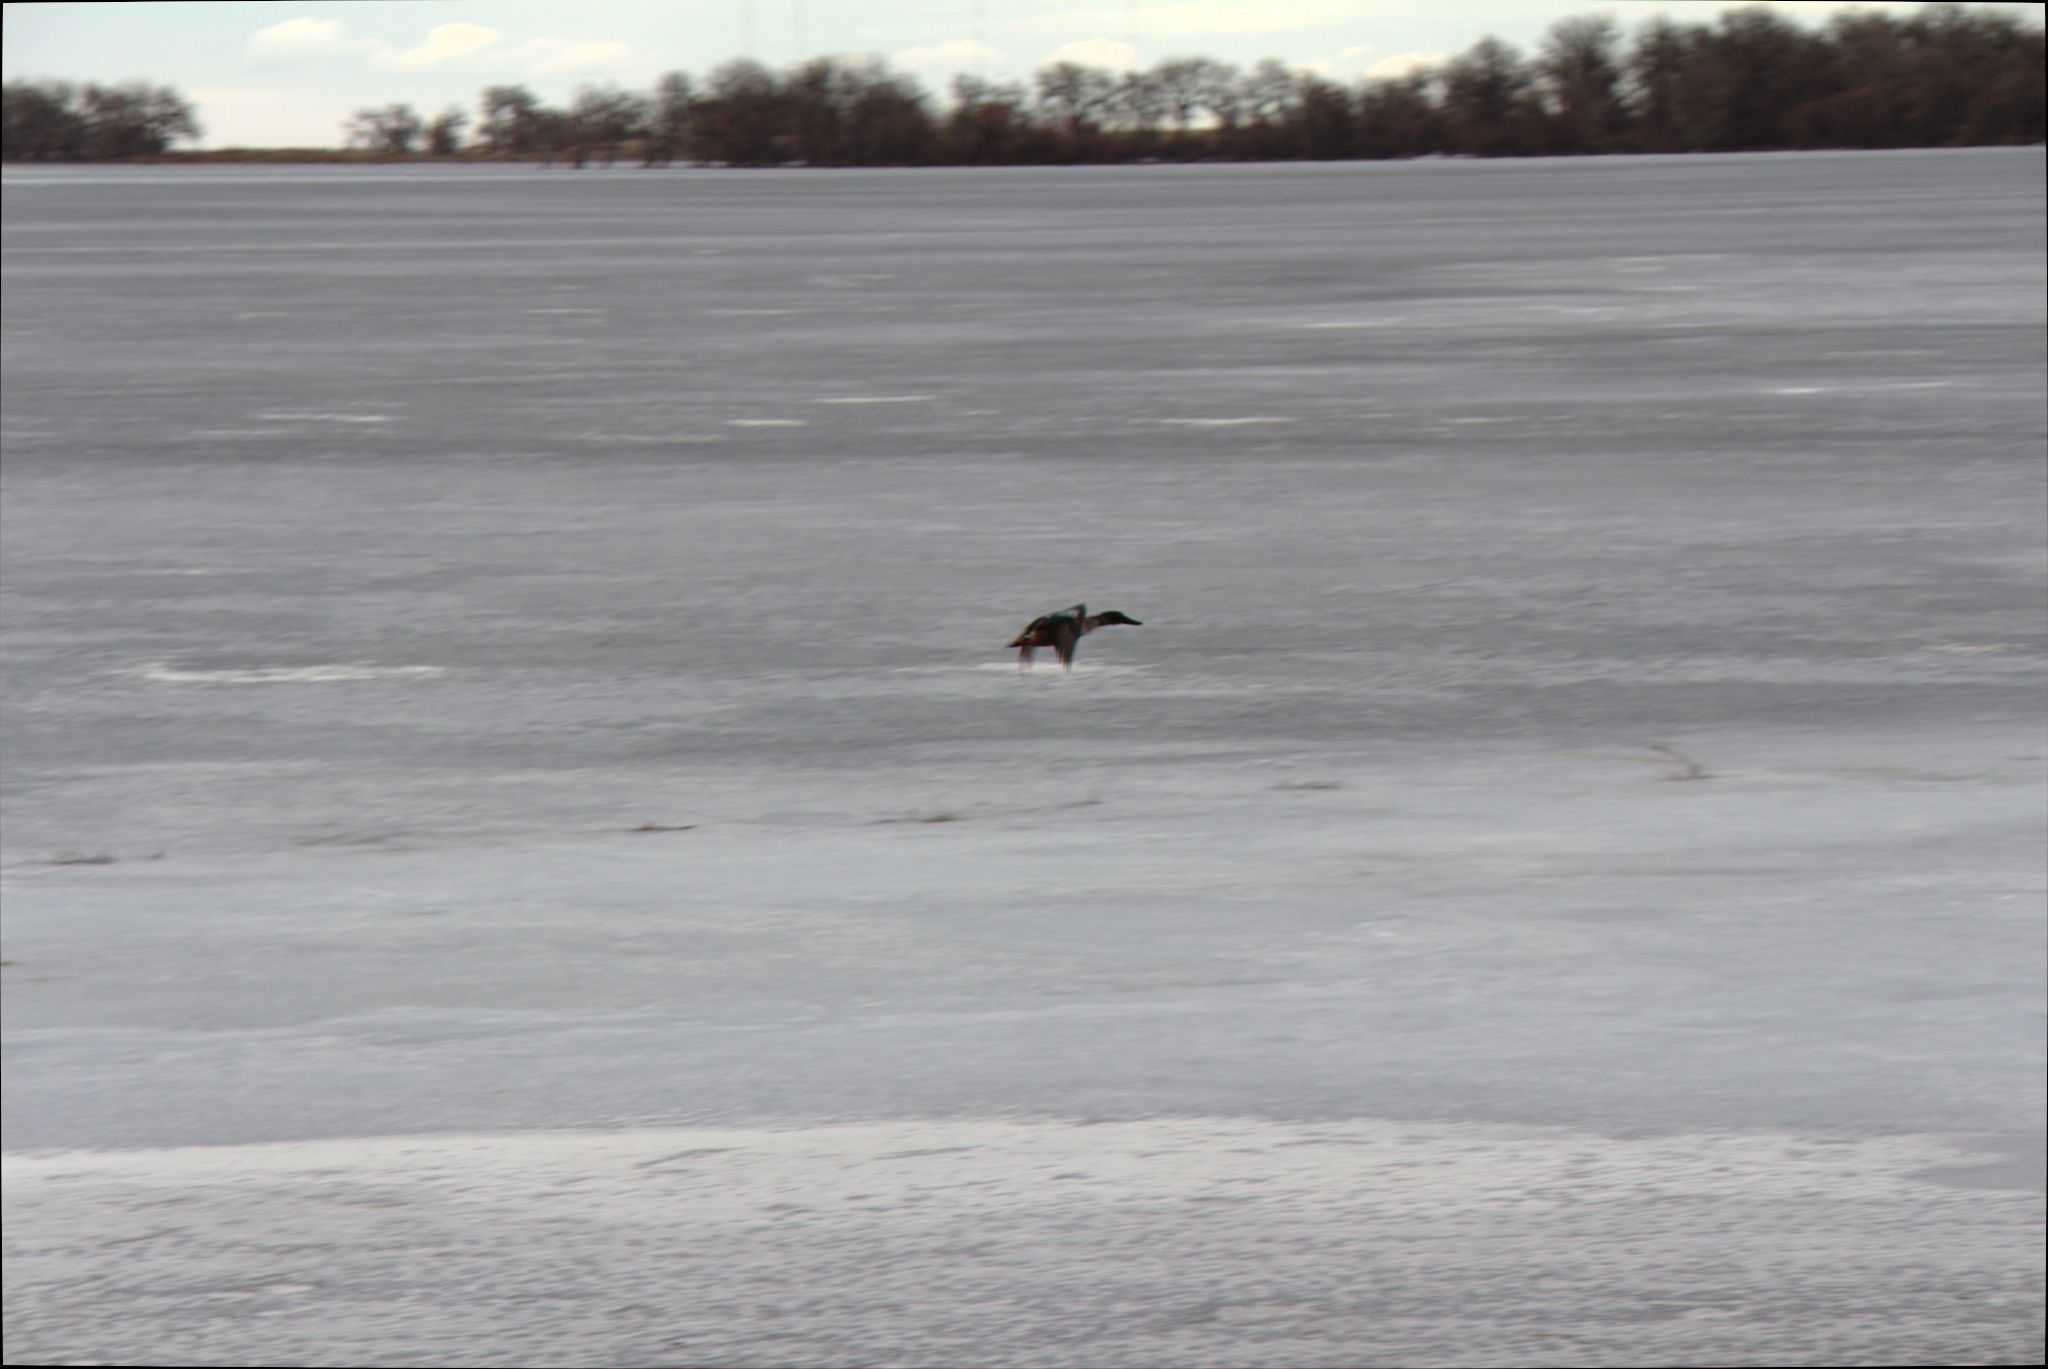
<point x="59" y="121"/>
<point x="1749" y="80"/>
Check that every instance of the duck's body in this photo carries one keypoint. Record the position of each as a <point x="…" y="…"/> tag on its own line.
<point x="1063" y="631"/>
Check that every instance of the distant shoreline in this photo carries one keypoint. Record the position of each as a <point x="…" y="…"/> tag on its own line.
<point x="334" y="156"/>
<point x="286" y="156"/>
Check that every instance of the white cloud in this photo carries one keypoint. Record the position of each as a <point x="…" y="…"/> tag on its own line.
<point x="299" y="38"/>
<point x="1405" y="64"/>
<point x="1205" y="18"/>
<point x="1808" y="13"/>
<point x="1098" y="52"/>
<point x="445" y="44"/>
<point x="554" y="57"/>
<point x="1345" y="63"/>
<point x="1793" y="6"/>
<point x="959" y="54"/>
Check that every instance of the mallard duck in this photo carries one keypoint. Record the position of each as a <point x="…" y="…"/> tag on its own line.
<point x="1063" y="631"/>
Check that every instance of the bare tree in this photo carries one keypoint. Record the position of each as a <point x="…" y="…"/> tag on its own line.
<point x="601" y="118"/>
<point x="1074" y="94"/>
<point x="42" y="121"/>
<point x="888" y="121"/>
<point x="1188" y="84"/>
<point x="1321" y="124"/>
<point x="1980" y="80"/>
<point x="134" y="119"/>
<point x="1265" y="91"/>
<point x="444" y="133"/>
<point x="989" y="123"/>
<point x="509" y="125"/>
<point x="391" y="130"/>
<point x="1489" y="105"/>
<point x="1139" y="103"/>
<point x="670" y="116"/>
<point x="1219" y="89"/>
<point x="740" y="119"/>
<point x="57" y="120"/>
<point x="1749" y="74"/>
<point x="1653" y="74"/>
<point x="1581" y="76"/>
<point x="1397" y="117"/>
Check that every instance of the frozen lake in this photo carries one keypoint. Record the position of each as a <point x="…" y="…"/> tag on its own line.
<point x="522" y="843"/>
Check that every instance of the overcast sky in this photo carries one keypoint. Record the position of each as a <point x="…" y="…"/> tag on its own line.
<point x="289" y="74"/>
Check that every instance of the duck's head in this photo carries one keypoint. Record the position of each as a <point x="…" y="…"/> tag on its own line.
<point x="1111" y="617"/>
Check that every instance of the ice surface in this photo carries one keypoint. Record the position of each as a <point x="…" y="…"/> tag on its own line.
<point x="505" y="685"/>
<point x="990" y="1242"/>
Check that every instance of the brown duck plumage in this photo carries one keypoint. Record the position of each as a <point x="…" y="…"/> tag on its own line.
<point x="1063" y="631"/>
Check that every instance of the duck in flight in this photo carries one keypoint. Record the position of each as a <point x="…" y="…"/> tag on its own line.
<point x="1063" y="631"/>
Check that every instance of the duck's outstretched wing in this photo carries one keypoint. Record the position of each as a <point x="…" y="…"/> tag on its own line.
<point x="1066" y="635"/>
<point x="1043" y="628"/>
<point x="1029" y="636"/>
